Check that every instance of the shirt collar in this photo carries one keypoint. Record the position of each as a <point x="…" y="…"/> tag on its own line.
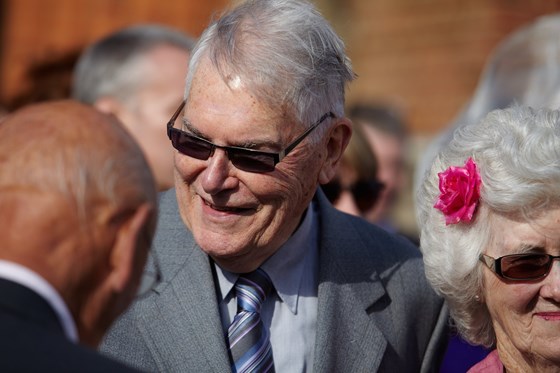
<point x="285" y="267"/>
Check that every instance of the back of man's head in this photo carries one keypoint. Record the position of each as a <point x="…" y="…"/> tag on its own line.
<point x="381" y="117"/>
<point x="77" y="206"/>
<point x="385" y="130"/>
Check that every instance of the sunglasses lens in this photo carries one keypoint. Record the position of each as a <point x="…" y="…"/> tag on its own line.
<point x="366" y="193"/>
<point x="332" y="190"/>
<point x="525" y="266"/>
<point x="190" y="145"/>
<point x="250" y="161"/>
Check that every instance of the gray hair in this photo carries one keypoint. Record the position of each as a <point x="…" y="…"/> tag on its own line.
<point x="288" y="54"/>
<point x="517" y="152"/>
<point x="112" y="67"/>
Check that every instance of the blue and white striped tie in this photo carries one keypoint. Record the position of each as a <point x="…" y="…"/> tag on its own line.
<point x="248" y="339"/>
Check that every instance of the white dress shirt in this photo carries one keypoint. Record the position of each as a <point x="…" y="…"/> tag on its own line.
<point x="291" y="312"/>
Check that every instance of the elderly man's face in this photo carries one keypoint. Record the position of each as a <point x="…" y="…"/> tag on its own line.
<point x="237" y="217"/>
<point x="526" y="314"/>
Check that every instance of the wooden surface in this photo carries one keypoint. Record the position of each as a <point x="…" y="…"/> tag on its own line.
<point x="423" y="56"/>
<point x="39" y="32"/>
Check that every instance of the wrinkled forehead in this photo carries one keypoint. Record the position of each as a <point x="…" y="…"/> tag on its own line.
<point x="520" y="230"/>
<point x="265" y="92"/>
<point x="231" y="94"/>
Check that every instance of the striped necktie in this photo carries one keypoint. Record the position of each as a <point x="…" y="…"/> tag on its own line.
<point x="248" y="338"/>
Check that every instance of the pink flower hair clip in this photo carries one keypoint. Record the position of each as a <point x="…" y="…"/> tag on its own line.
<point x="459" y="192"/>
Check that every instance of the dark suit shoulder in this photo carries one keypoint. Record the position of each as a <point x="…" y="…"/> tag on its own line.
<point x="29" y="347"/>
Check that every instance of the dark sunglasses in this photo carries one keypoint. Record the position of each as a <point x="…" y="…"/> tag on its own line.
<point x="365" y="192"/>
<point x="520" y="267"/>
<point x="245" y="159"/>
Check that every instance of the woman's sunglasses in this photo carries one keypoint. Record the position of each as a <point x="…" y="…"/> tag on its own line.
<point x="364" y="192"/>
<point x="245" y="159"/>
<point x="520" y="267"/>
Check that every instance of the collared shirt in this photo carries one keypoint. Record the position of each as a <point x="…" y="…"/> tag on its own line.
<point x="28" y="278"/>
<point x="291" y="312"/>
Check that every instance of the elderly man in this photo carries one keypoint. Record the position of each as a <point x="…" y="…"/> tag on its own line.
<point x="77" y="213"/>
<point x="267" y="275"/>
<point x="138" y="75"/>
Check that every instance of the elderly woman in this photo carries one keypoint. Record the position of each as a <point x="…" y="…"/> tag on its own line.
<point x="489" y="213"/>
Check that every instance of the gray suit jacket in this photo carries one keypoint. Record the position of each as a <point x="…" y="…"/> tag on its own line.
<point x="394" y="322"/>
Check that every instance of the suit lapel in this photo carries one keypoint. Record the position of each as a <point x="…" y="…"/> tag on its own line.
<point x="183" y="322"/>
<point x="347" y="336"/>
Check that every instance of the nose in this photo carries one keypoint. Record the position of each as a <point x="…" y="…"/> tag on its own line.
<point x="551" y="284"/>
<point x="217" y="175"/>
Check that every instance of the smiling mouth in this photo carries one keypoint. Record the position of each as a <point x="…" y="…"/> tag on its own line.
<point x="234" y="210"/>
<point x="549" y="316"/>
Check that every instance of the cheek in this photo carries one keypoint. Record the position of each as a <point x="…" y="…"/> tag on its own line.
<point x="508" y="302"/>
<point x="154" y="114"/>
<point x="298" y="185"/>
<point x="187" y="167"/>
<point x="280" y="193"/>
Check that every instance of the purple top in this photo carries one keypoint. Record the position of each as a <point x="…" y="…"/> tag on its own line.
<point x="491" y="364"/>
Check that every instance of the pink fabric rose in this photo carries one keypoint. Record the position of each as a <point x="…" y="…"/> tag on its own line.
<point x="459" y="192"/>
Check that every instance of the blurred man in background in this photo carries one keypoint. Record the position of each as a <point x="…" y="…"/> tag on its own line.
<point x="386" y="134"/>
<point x="77" y="215"/>
<point x="138" y="75"/>
<point x="355" y="189"/>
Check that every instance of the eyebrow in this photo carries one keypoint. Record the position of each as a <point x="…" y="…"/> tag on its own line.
<point x="525" y="248"/>
<point x="269" y="146"/>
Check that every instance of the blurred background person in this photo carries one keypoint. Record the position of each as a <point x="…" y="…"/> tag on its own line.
<point x="385" y="132"/>
<point x="489" y="212"/>
<point x="355" y="189"/>
<point x="524" y="68"/>
<point x="138" y="74"/>
<point x="77" y="215"/>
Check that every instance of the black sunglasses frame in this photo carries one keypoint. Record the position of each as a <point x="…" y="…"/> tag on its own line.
<point x="495" y="265"/>
<point x="233" y="152"/>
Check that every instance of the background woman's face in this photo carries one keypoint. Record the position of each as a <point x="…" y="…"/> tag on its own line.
<point x="526" y="314"/>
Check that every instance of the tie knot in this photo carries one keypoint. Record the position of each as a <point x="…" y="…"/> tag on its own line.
<point x="252" y="289"/>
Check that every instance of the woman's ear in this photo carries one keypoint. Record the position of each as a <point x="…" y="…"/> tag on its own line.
<point x="338" y="140"/>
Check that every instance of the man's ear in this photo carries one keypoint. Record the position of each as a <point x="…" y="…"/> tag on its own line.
<point x="112" y="106"/>
<point x="108" y="105"/>
<point x="337" y="142"/>
<point x="130" y="248"/>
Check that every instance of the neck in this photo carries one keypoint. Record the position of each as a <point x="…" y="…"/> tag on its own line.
<point x="514" y="361"/>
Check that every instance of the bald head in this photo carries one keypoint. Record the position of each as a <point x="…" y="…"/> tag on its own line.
<point x="77" y="203"/>
<point x="72" y="149"/>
